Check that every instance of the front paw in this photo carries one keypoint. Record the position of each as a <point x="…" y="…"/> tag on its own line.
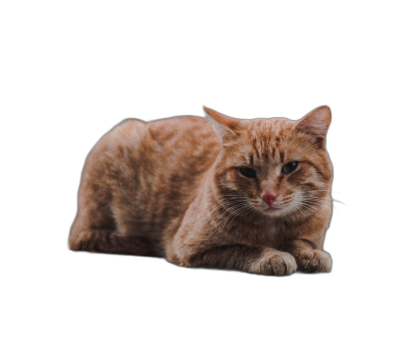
<point x="314" y="261"/>
<point x="276" y="263"/>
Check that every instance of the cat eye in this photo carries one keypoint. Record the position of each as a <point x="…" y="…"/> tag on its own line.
<point x="248" y="172"/>
<point x="289" y="167"/>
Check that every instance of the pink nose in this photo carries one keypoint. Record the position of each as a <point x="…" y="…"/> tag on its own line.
<point x="269" y="198"/>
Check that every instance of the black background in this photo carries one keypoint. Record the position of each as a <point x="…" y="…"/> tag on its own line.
<point x="99" y="81"/>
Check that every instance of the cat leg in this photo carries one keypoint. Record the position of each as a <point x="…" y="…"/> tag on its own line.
<point x="266" y="261"/>
<point x="107" y="189"/>
<point x="97" y="231"/>
<point x="111" y="242"/>
<point x="94" y="225"/>
<point x="308" y="257"/>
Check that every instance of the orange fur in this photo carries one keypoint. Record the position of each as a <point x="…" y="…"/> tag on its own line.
<point x="174" y="188"/>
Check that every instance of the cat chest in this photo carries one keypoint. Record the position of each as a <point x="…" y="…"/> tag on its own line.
<point x="271" y="234"/>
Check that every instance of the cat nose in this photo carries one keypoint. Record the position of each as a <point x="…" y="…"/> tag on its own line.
<point x="269" y="197"/>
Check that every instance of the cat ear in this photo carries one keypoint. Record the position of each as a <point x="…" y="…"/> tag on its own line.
<point x="316" y="123"/>
<point x="225" y="127"/>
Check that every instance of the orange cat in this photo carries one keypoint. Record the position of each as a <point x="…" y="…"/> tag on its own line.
<point x="251" y="195"/>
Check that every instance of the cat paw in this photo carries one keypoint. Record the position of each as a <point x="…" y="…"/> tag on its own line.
<point x="314" y="261"/>
<point x="274" y="263"/>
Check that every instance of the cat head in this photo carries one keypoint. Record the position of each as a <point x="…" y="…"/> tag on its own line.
<point x="275" y="167"/>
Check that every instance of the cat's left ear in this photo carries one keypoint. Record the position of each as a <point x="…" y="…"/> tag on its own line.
<point x="227" y="128"/>
<point x="316" y="123"/>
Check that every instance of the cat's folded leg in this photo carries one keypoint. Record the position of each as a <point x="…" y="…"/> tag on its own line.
<point x="94" y="240"/>
<point x="259" y="260"/>
<point x="107" y="237"/>
<point x="105" y="241"/>
<point x="308" y="257"/>
<point x="94" y="228"/>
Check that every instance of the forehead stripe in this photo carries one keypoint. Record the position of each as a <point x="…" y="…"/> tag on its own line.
<point x="255" y="147"/>
<point x="282" y="155"/>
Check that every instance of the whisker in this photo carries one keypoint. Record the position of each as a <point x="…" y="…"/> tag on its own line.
<point x="237" y="213"/>
<point x="228" y="205"/>
<point x="228" y="209"/>
<point x="335" y="200"/>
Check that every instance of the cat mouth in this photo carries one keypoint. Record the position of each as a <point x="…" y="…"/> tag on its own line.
<point x="272" y="209"/>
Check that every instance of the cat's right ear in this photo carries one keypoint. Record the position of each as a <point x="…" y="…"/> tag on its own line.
<point x="316" y="124"/>
<point x="225" y="127"/>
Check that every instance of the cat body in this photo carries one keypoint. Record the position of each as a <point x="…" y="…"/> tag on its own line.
<point x="217" y="192"/>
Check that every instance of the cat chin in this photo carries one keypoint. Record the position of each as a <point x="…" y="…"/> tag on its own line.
<point x="273" y="212"/>
<point x="287" y="212"/>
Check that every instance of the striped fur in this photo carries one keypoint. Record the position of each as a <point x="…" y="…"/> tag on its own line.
<point x="173" y="188"/>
